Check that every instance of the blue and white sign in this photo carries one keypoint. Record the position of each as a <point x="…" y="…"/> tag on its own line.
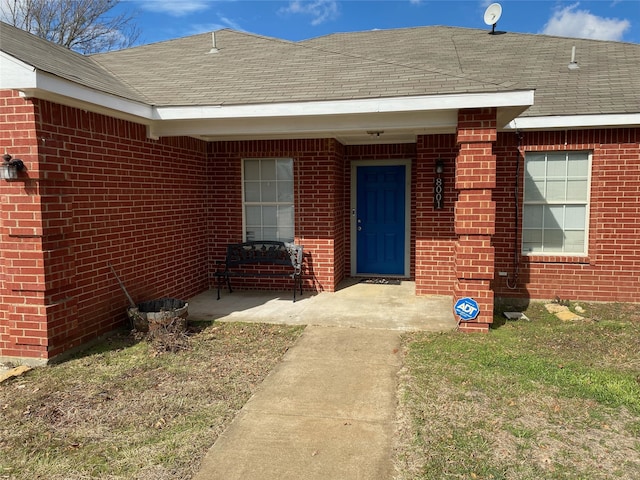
<point x="467" y="309"/>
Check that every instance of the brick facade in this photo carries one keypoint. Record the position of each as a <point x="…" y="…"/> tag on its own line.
<point x="435" y="233"/>
<point x="319" y="203"/>
<point x="97" y="191"/>
<point x="611" y="270"/>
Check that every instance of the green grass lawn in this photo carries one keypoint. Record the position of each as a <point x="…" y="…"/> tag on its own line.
<point x="126" y="410"/>
<point x="538" y="399"/>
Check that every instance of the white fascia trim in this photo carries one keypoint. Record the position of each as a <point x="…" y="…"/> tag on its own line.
<point x="50" y="84"/>
<point x="575" y="121"/>
<point x="341" y="107"/>
<point x="15" y="73"/>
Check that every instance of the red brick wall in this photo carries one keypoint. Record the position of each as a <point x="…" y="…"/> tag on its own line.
<point x="319" y="203"/>
<point x="108" y="195"/>
<point x="611" y="270"/>
<point x="96" y="190"/>
<point x="435" y="234"/>
<point x="341" y="267"/>
<point x="22" y="268"/>
<point x="475" y="213"/>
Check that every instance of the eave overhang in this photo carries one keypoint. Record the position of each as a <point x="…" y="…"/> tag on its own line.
<point x="357" y="121"/>
<point x="33" y="83"/>
<point x="572" y="122"/>
<point x="354" y="121"/>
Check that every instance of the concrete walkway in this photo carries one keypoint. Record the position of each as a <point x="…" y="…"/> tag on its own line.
<point x="328" y="410"/>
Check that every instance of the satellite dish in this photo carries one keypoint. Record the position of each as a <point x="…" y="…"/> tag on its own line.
<point x="492" y="15"/>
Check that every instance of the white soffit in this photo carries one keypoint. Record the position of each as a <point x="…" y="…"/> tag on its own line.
<point x="305" y="126"/>
<point x="50" y="85"/>
<point x="400" y="118"/>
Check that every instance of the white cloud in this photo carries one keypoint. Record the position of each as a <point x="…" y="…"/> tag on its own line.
<point x="175" y="8"/>
<point x="197" y="28"/>
<point x="572" y="22"/>
<point x="228" y="23"/>
<point x="320" y="10"/>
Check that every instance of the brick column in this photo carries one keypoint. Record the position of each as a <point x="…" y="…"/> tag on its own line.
<point x="475" y="212"/>
<point x="23" y="305"/>
<point x="320" y="213"/>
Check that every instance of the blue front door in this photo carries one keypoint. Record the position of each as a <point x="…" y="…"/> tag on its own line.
<point x="380" y="220"/>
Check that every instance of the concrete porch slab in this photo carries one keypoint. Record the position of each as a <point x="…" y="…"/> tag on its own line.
<point x="359" y="305"/>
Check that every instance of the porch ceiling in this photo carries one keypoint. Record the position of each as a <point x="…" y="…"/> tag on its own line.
<point x="381" y="120"/>
<point x="349" y="129"/>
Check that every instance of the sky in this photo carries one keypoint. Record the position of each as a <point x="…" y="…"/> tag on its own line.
<point x="294" y="20"/>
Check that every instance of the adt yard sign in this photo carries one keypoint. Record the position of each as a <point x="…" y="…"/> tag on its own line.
<point x="467" y="309"/>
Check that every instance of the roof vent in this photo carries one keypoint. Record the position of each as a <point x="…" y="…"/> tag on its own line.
<point x="573" y="65"/>
<point x="214" y="48"/>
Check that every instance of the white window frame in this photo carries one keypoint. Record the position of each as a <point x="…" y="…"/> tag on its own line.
<point x="564" y="203"/>
<point x="280" y="234"/>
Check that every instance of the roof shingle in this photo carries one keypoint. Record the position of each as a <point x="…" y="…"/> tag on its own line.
<point x="250" y="69"/>
<point x="608" y="80"/>
<point x="62" y="62"/>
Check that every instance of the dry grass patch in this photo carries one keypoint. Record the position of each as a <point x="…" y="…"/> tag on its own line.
<point x="127" y="409"/>
<point x="540" y="399"/>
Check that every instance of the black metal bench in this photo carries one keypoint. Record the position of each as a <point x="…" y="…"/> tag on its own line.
<point x="261" y="253"/>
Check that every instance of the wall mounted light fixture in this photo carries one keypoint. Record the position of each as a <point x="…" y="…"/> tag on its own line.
<point x="10" y="167"/>
<point x="438" y="186"/>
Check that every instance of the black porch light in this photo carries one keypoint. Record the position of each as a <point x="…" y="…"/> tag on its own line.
<point x="439" y="166"/>
<point x="10" y="167"/>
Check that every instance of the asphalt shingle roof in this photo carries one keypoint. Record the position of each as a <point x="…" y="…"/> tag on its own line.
<point x="608" y="80"/>
<point x="252" y="69"/>
<point x="61" y="62"/>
